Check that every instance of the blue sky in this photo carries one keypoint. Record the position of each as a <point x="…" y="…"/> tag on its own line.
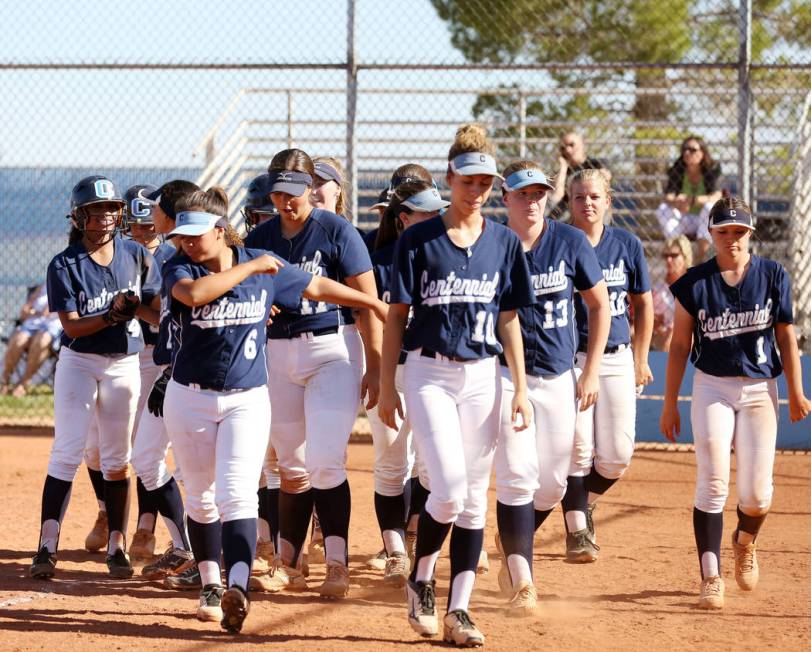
<point x="149" y="117"/>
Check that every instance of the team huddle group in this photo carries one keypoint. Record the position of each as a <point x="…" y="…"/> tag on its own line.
<point x="472" y="344"/>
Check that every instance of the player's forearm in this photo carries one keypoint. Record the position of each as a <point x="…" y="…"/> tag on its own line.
<point x="392" y="344"/>
<point x="212" y="286"/>
<point x="371" y="332"/>
<point x="599" y="318"/>
<point x="148" y="314"/>
<point x="76" y="327"/>
<point x="509" y="332"/>
<point x="643" y="326"/>
<point x="790" y="355"/>
<point x="329" y="291"/>
<point x="676" y="364"/>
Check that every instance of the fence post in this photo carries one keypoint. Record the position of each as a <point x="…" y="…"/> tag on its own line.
<point x="522" y="125"/>
<point x="351" y="112"/>
<point x="744" y="102"/>
<point x="289" y="119"/>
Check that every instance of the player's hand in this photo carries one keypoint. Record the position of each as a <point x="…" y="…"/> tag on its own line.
<point x="370" y="388"/>
<point x="670" y="422"/>
<point x="266" y="264"/>
<point x="274" y="310"/>
<point x="563" y="165"/>
<point x="122" y="307"/>
<point x="588" y="386"/>
<point x="389" y="407"/>
<point x="798" y="408"/>
<point x="644" y="376"/>
<point x="381" y="310"/>
<point x="154" y="402"/>
<point x="520" y="412"/>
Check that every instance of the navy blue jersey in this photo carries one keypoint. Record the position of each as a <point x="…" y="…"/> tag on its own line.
<point x="734" y="326"/>
<point x="151" y="331"/>
<point x="327" y="246"/>
<point x="77" y="283"/>
<point x="383" y="266"/>
<point x="561" y="262"/>
<point x="369" y="238"/>
<point x="456" y="293"/>
<point x="222" y="344"/>
<point x="625" y="272"/>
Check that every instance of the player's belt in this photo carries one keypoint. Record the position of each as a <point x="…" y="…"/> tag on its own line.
<point x="608" y="349"/>
<point x="430" y="353"/>
<point x="327" y="330"/>
<point x="403" y="356"/>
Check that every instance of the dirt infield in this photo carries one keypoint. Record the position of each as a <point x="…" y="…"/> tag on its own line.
<point x="639" y="594"/>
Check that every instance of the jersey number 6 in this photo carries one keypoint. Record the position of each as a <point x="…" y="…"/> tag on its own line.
<point x="250" y="345"/>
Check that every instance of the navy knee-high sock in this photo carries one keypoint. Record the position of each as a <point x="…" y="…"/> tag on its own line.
<point x="334" y="507"/>
<point x="264" y="507"/>
<point x="206" y="541"/>
<point x="97" y="480"/>
<point x="708" y="529"/>
<point x="750" y="524"/>
<point x="273" y="515"/>
<point x="390" y="512"/>
<point x="294" y="519"/>
<point x="466" y="545"/>
<point x="576" y="498"/>
<point x="55" y="498"/>
<point x="516" y="527"/>
<point x="540" y="517"/>
<point x="430" y="537"/>
<point x="116" y="499"/>
<point x="147" y="503"/>
<point x="169" y="503"/>
<point x="419" y="495"/>
<point x="598" y="484"/>
<point x="238" y="545"/>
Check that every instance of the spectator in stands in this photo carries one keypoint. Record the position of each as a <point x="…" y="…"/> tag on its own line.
<point x="572" y="157"/>
<point x="678" y="256"/>
<point x="329" y="189"/>
<point x="692" y="189"/>
<point x="37" y="333"/>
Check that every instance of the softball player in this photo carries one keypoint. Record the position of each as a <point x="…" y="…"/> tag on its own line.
<point x="217" y="410"/>
<point x="531" y="466"/>
<point x="464" y="277"/>
<point x="157" y="488"/>
<point x="315" y="353"/>
<point x="734" y="318"/>
<point x="328" y="191"/>
<point x="605" y="432"/>
<point x="411" y="203"/>
<point x="97" y="374"/>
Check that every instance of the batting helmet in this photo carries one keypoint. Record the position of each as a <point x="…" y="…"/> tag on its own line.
<point x="138" y="209"/>
<point x="95" y="189"/>
<point x="257" y="202"/>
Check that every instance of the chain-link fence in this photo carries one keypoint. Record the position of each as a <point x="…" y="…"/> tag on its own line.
<point x="209" y="91"/>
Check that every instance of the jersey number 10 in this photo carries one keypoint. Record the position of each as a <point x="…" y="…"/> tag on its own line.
<point x="484" y="330"/>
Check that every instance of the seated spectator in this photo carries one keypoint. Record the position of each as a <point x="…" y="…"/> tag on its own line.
<point x="678" y="256"/>
<point x="572" y="157"/>
<point x="38" y="331"/>
<point x="692" y="189"/>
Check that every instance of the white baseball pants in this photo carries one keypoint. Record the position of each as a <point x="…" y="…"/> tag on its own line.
<point x="605" y="432"/>
<point x="219" y="440"/>
<point x="93" y="389"/>
<point x="314" y="386"/>
<point x="532" y="465"/>
<point x="454" y="409"/>
<point x="739" y="412"/>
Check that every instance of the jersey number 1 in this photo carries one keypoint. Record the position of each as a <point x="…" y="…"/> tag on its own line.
<point x="761" y="352"/>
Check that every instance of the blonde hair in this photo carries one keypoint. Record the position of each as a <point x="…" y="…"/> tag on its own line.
<point x="340" y="204"/>
<point x="683" y="243"/>
<point x="584" y="176"/>
<point x="471" y="137"/>
<point x="214" y="201"/>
